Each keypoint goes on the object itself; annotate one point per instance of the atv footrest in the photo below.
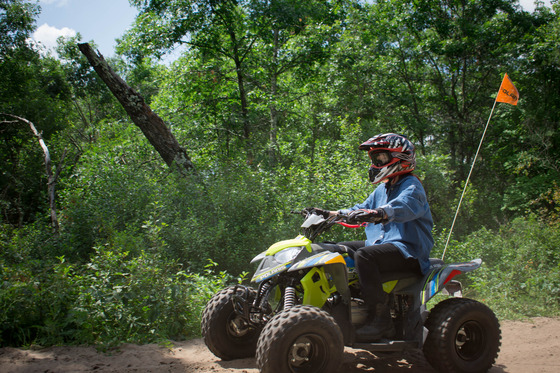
(388, 346)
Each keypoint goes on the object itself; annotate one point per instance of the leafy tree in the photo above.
(531, 156)
(251, 43)
(17, 20)
(34, 88)
(215, 28)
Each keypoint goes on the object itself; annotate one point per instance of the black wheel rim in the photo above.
(308, 354)
(470, 341)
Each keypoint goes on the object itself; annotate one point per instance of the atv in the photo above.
(307, 306)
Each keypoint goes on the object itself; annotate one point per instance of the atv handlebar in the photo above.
(311, 231)
(351, 225)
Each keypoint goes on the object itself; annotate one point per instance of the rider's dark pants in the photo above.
(372, 262)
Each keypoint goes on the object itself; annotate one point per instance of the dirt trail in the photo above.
(532, 346)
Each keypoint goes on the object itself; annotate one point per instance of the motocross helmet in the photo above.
(391, 155)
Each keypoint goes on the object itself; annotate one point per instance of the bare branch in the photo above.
(51, 178)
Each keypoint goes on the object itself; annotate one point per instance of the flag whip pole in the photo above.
(467, 182)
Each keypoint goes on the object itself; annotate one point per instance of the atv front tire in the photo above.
(463, 336)
(225, 332)
(301, 339)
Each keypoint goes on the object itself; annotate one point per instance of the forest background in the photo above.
(269, 100)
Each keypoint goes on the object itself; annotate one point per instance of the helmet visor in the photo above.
(380, 158)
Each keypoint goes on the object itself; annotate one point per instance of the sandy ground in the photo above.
(532, 346)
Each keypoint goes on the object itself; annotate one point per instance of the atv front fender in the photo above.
(325, 270)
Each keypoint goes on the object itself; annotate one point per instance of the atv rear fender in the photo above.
(440, 278)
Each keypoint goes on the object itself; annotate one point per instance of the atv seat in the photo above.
(391, 276)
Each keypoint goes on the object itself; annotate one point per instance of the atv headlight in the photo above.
(287, 255)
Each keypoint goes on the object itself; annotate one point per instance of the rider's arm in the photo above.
(411, 203)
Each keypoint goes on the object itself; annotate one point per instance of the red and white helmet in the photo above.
(391, 155)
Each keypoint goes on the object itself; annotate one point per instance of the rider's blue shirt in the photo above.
(409, 224)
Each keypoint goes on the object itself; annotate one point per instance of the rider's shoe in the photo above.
(381, 326)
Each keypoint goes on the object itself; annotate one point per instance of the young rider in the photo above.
(398, 231)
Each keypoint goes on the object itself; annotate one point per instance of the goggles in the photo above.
(379, 158)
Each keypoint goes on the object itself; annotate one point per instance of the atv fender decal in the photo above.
(271, 272)
(325, 257)
(336, 259)
(453, 273)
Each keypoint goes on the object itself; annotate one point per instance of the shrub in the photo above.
(139, 299)
(520, 276)
(114, 298)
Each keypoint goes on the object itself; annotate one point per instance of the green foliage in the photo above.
(520, 276)
(139, 299)
(114, 298)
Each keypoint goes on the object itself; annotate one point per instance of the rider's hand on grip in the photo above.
(365, 216)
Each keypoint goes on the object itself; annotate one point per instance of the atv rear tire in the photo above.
(301, 339)
(463, 336)
(225, 332)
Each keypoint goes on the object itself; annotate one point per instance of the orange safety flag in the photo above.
(507, 93)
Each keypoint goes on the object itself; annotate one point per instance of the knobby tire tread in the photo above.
(281, 326)
(213, 338)
(441, 334)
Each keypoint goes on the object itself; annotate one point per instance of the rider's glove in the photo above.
(365, 216)
(317, 211)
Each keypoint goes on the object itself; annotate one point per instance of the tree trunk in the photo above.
(151, 125)
(273, 133)
(243, 98)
